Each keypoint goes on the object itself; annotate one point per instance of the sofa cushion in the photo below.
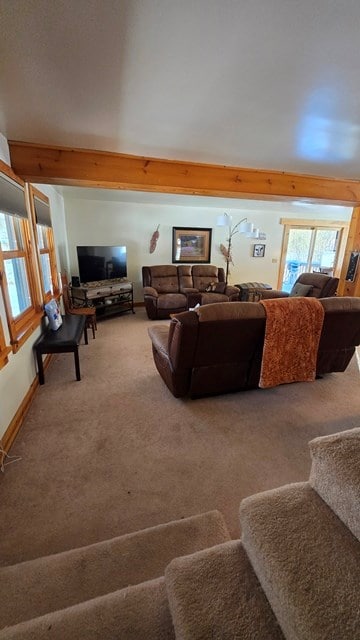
(185, 277)
(164, 278)
(203, 275)
(300, 290)
(172, 301)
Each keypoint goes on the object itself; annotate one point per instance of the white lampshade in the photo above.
(250, 230)
(224, 220)
(245, 227)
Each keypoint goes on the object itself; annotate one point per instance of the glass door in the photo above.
(308, 249)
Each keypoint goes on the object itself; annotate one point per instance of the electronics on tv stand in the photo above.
(102, 283)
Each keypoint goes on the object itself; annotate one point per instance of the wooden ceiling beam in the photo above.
(101, 169)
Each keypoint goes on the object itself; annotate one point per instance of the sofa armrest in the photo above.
(160, 339)
(272, 293)
(150, 291)
(231, 290)
(188, 290)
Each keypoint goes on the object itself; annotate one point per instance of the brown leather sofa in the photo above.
(218, 348)
(319, 285)
(171, 289)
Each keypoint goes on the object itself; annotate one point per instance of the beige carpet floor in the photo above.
(116, 452)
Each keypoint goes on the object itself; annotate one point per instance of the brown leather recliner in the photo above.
(162, 293)
(171, 289)
(320, 286)
(218, 349)
(209, 284)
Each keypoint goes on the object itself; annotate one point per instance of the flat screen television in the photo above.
(101, 263)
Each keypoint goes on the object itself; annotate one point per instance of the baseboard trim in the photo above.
(13, 429)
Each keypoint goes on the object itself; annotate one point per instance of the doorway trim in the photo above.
(300, 223)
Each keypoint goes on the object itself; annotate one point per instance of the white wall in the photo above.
(94, 221)
(17, 376)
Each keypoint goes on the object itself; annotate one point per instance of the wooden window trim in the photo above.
(4, 349)
(50, 250)
(21, 327)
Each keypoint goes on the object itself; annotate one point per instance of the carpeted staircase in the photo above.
(295, 574)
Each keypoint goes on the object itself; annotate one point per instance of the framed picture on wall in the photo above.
(191, 244)
(258, 250)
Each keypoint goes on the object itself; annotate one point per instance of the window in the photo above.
(310, 246)
(45, 243)
(16, 268)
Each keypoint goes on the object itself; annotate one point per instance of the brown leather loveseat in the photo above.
(218, 348)
(172, 288)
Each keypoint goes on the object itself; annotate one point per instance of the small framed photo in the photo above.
(258, 250)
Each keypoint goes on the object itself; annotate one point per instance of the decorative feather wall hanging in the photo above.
(226, 253)
(154, 239)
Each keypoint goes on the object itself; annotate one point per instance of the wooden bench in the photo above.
(65, 340)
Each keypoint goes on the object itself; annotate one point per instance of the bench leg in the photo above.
(86, 334)
(40, 367)
(77, 363)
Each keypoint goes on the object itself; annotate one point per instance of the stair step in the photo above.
(140, 612)
(31, 589)
(307, 561)
(335, 475)
(215, 594)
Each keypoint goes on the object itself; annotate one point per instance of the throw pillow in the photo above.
(301, 290)
(220, 287)
(211, 287)
(216, 287)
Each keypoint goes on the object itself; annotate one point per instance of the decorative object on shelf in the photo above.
(243, 226)
(191, 245)
(154, 239)
(259, 250)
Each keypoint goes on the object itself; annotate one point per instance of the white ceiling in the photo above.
(271, 84)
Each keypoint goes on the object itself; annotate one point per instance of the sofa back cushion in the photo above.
(185, 277)
(228, 332)
(230, 311)
(205, 274)
(164, 278)
(229, 347)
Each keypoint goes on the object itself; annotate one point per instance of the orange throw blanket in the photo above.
(292, 334)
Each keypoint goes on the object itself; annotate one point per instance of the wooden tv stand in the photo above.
(107, 296)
